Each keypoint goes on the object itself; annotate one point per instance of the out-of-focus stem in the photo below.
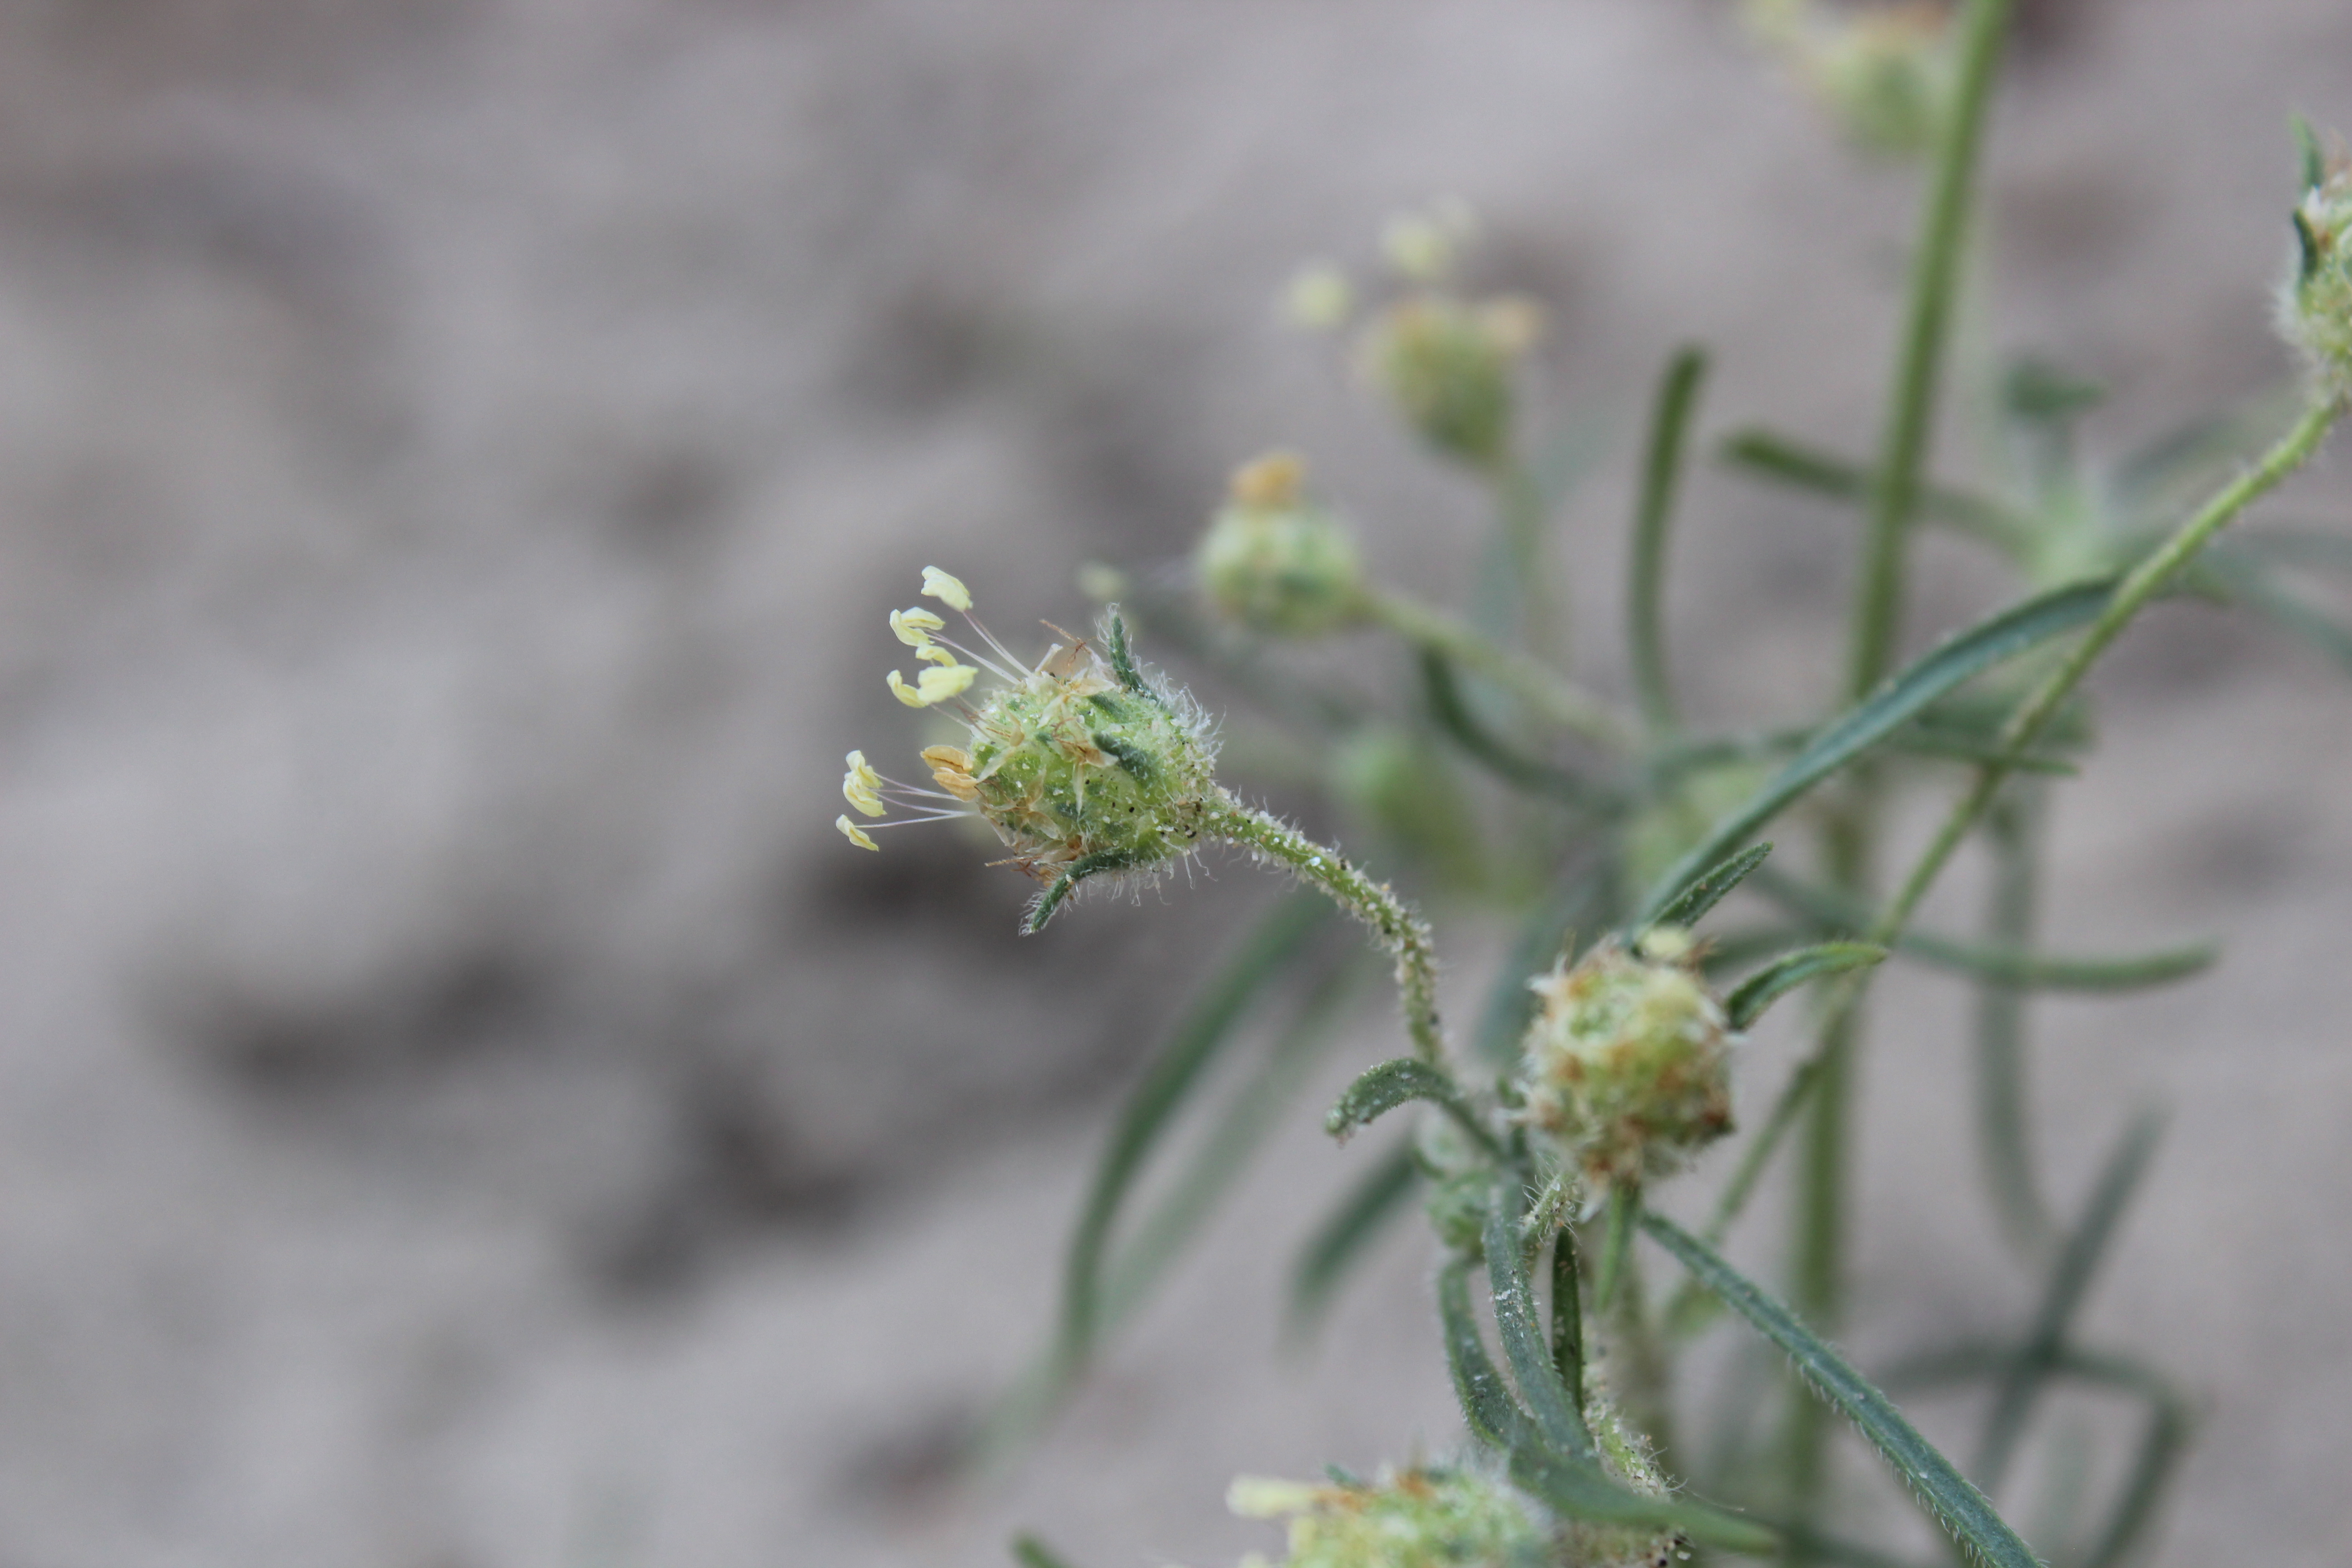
(1550, 695)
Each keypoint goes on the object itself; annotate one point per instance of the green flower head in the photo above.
(1078, 763)
(1273, 561)
(2315, 305)
(1627, 1066)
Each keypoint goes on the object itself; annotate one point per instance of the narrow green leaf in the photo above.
(1241, 1127)
(1832, 910)
(1568, 1316)
(2071, 1275)
(2312, 155)
(1777, 979)
(1579, 1492)
(1494, 1415)
(2253, 586)
(1380, 1089)
(1031, 1553)
(2161, 1446)
(1166, 1084)
(1451, 713)
(1799, 467)
(1653, 519)
(1556, 1417)
(1920, 742)
(1711, 888)
(1380, 1196)
(1624, 1211)
(1958, 659)
(1962, 1509)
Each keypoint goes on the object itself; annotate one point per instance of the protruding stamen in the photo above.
(854, 834)
(948, 590)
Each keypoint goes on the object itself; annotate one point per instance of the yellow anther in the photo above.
(854, 832)
(954, 757)
(937, 685)
(915, 627)
(947, 589)
(936, 654)
(861, 795)
(904, 692)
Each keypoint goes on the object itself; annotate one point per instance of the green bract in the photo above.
(2316, 309)
(1627, 1063)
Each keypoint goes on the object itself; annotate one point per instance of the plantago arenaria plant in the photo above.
(1600, 1069)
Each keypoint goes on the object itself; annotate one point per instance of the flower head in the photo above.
(1078, 763)
(1421, 1518)
(2315, 305)
(1888, 74)
(1449, 365)
(1276, 562)
(1627, 1065)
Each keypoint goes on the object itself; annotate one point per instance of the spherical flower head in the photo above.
(1421, 1518)
(1272, 561)
(2315, 305)
(1887, 74)
(1450, 366)
(1627, 1063)
(1071, 764)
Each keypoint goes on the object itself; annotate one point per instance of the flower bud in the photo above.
(1449, 365)
(1274, 562)
(1421, 1518)
(1888, 74)
(1627, 1064)
(2315, 306)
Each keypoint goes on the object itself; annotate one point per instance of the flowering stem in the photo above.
(1562, 701)
(1399, 926)
(1519, 499)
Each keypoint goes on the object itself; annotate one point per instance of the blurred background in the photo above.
(462, 1106)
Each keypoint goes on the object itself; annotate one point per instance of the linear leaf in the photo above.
(1579, 1492)
(1962, 1509)
(1711, 887)
(1453, 713)
(1524, 1345)
(1957, 659)
(1166, 1084)
(1833, 911)
(1653, 519)
(2070, 1279)
(1777, 979)
(1494, 1415)
(1378, 1198)
(1380, 1089)
(1224, 1156)
(1792, 463)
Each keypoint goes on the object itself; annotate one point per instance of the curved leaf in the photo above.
(1579, 1492)
(1960, 659)
(1524, 1345)
(1380, 1089)
(1710, 888)
(1959, 1506)
(1775, 980)
(1378, 1198)
(1494, 1415)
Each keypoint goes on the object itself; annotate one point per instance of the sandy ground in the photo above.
(461, 1106)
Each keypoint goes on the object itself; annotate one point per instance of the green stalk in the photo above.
(1876, 630)
(1518, 502)
(2150, 578)
(1551, 697)
(2003, 1135)
(1395, 922)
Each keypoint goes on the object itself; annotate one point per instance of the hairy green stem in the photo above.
(1396, 923)
(2154, 574)
(1555, 699)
